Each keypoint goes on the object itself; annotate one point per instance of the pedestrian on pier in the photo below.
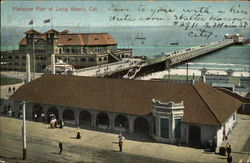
(43, 117)
(9, 90)
(228, 149)
(120, 145)
(60, 147)
(14, 89)
(78, 135)
(35, 117)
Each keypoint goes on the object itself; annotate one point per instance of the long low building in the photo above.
(169, 112)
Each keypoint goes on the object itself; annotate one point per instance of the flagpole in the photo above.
(51, 23)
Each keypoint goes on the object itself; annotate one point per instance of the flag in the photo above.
(31, 22)
(46, 21)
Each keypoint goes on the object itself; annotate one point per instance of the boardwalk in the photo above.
(176, 58)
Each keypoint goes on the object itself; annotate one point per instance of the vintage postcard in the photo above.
(125, 81)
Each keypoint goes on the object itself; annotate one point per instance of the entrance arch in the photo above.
(52, 112)
(38, 110)
(102, 119)
(141, 126)
(68, 114)
(85, 118)
(121, 121)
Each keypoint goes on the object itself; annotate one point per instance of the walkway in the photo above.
(101, 146)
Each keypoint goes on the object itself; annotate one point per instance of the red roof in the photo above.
(203, 103)
(24, 40)
(65, 31)
(88, 39)
(32, 31)
(51, 31)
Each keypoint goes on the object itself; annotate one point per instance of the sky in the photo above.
(105, 13)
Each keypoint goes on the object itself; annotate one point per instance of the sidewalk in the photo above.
(107, 141)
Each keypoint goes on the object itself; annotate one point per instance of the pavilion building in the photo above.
(168, 112)
(78, 49)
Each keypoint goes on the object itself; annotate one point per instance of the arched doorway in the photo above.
(38, 110)
(102, 120)
(121, 121)
(52, 112)
(141, 126)
(68, 114)
(85, 118)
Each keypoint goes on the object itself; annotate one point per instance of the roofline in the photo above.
(207, 105)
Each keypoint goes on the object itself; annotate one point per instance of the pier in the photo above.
(176, 58)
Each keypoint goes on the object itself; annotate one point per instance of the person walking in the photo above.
(60, 147)
(35, 117)
(43, 117)
(9, 90)
(120, 145)
(228, 149)
(78, 135)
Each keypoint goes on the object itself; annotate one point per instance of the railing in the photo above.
(115, 57)
(180, 56)
(99, 66)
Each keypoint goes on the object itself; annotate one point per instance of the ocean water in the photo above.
(156, 41)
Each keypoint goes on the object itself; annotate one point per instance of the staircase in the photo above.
(115, 57)
(132, 73)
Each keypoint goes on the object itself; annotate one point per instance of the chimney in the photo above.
(27, 68)
(53, 69)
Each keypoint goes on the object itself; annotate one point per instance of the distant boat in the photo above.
(174, 43)
(140, 37)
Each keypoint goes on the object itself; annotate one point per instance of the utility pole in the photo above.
(27, 68)
(53, 70)
(34, 58)
(24, 132)
(187, 72)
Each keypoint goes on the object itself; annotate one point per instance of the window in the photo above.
(164, 127)
(98, 50)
